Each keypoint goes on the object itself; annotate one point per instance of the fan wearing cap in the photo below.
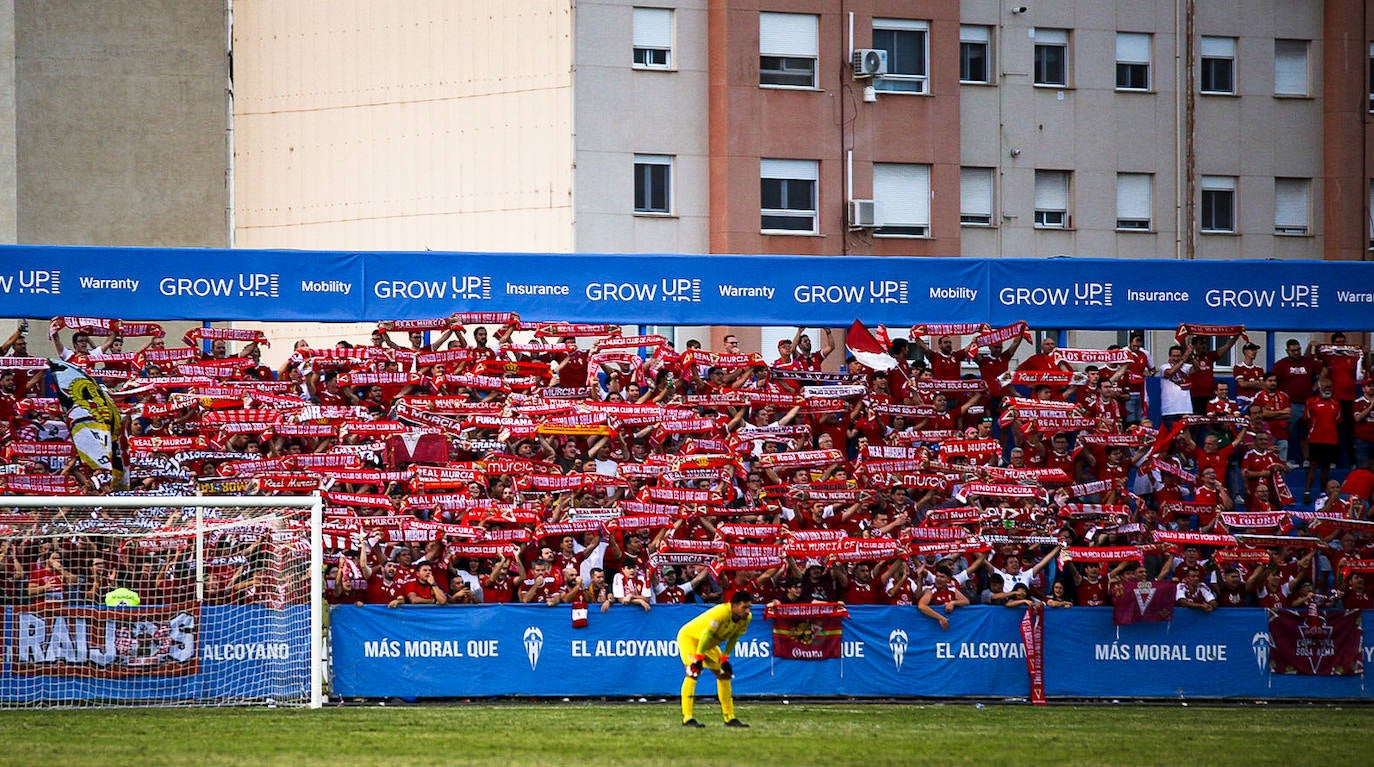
(706, 642)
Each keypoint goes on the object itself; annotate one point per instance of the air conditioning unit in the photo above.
(869, 62)
(862, 214)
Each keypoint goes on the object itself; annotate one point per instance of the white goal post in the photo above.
(161, 600)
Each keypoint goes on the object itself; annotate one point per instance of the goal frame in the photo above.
(314, 503)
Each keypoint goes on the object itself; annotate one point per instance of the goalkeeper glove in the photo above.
(694, 670)
(726, 670)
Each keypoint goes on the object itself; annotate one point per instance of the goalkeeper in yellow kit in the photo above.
(700, 643)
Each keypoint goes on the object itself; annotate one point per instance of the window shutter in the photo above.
(1051, 36)
(1132, 48)
(974, 34)
(1133, 196)
(1219, 47)
(1290, 203)
(806, 170)
(1290, 67)
(1219, 183)
(1051, 190)
(975, 191)
(788, 34)
(901, 194)
(653, 28)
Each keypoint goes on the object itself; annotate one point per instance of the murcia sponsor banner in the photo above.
(1316, 642)
(105, 642)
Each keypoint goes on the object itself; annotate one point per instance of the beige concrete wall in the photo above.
(620, 112)
(1094, 131)
(9, 182)
(403, 125)
(1255, 136)
(119, 114)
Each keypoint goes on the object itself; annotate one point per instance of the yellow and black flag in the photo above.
(94, 420)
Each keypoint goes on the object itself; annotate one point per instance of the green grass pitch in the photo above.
(554, 734)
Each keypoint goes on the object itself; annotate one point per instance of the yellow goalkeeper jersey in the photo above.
(716, 626)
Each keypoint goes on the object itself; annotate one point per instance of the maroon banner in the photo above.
(807, 638)
(1143, 601)
(1316, 642)
(1033, 636)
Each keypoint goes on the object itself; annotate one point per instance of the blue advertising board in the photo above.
(534, 650)
(152, 654)
(668, 289)
(495, 650)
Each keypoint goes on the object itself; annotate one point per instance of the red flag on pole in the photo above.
(868, 350)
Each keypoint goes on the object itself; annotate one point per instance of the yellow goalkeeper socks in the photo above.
(689, 693)
(725, 691)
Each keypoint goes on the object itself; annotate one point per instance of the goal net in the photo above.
(160, 601)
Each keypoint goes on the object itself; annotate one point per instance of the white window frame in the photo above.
(1370, 208)
(975, 196)
(1046, 39)
(904, 82)
(1134, 49)
(1217, 49)
(1052, 199)
(653, 33)
(1292, 72)
(976, 35)
(1218, 185)
(793, 39)
(641, 164)
(1292, 206)
(901, 199)
(1134, 202)
(790, 171)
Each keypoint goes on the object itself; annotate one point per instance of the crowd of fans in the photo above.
(489, 459)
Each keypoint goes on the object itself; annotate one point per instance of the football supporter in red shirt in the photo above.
(942, 597)
(1137, 370)
(1354, 594)
(49, 581)
(1090, 588)
(542, 585)
(803, 358)
(899, 588)
(784, 360)
(1249, 376)
(1045, 359)
(384, 587)
(1259, 466)
(1275, 408)
(671, 590)
(1296, 374)
(1360, 482)
(1222, 404)
(1202, 379)
(991, 366)
(1340, 366)
(424, 590)
(1323, 416)
(1362, 414)
(944, 361)
(1210, 455)
(1231, 591)
(858, 587)
(1192, 592)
